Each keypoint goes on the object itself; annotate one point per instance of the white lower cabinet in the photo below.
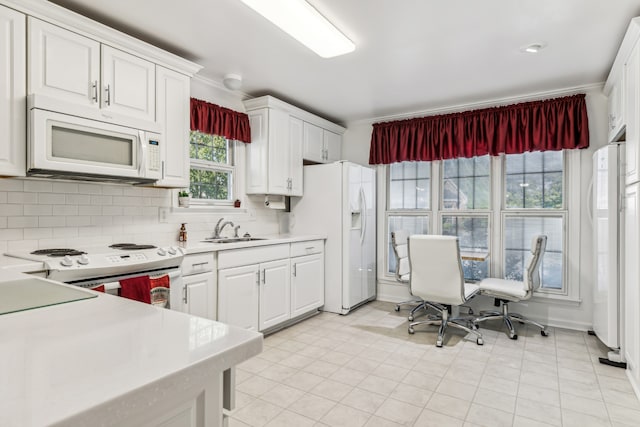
(197, 294)
(274, 293)
(238, 296)
(307, 283)
(631, 296)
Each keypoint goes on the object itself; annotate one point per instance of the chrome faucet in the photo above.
(235, 231)
(219, 228)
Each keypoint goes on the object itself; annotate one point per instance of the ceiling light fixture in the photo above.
(304, 23)
(232, 81)
(533, 47)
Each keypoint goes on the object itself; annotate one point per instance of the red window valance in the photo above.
(214, 119)
(554, 124)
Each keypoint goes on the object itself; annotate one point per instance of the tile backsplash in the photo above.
(38, 213)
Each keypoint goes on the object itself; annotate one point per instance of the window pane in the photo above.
(212, 148)
(519, 233)
(410, 185)
(534, 180)
(210, 185)
(466, 183)
(473, 234)
(413, 224)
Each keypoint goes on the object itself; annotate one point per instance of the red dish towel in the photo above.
(160, 291)
(136, 288)
(99, 288)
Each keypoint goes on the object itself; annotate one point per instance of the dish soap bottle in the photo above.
(182, 236)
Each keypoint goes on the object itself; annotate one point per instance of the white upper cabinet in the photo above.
(128, 84)
(295, 156)
(12, 93)
(63, 65)
(632, 109)
(172, 106)
(321, 145)
(616, 110)
(76, 69)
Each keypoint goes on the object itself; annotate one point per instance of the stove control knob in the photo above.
(84, 259)
(172, 250)
(66, 261)
(162, 252)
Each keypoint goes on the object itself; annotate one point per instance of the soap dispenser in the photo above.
(182, 236)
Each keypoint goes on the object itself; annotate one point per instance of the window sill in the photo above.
(199, 209)
(556, 299)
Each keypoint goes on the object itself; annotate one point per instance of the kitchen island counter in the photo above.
(108, 361)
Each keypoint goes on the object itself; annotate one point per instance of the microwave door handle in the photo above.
(142, 153)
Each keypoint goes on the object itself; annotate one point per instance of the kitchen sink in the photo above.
(233, 239)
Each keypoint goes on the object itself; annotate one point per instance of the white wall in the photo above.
(37, 213)
(576, 315)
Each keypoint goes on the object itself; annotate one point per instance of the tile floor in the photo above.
(365, 370)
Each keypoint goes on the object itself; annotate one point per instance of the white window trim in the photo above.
(398, 212)
(213, 166)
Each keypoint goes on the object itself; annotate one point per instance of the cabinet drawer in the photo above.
(198, 263)
(247, 256)
(307, 248)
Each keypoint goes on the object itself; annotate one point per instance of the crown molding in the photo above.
(220, 86)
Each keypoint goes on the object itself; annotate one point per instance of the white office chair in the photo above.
(505, 291)
(399, 243)
(436, 276)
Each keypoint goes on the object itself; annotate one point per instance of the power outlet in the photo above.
(163, 213)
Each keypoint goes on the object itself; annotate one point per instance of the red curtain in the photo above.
(554, 124)
(214, 119)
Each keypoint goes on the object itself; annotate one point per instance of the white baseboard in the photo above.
(634, 384)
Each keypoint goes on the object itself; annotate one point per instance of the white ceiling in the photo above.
(411, 55)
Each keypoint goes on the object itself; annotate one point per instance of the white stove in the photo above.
(97, 264)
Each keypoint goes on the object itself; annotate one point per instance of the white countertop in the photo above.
(82, 357)
(196, 246)
(20, 265)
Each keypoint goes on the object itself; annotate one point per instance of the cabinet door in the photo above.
(128, 84)
(307, 283)
(332, 146)
(616, 110)
(258, 152)
(279, 153)
(313, 143)
(275, 293)
(631, 295)
(295, 159)
(238, 296)
(172, 107)
(199, 295)
(63, 64)
(13, 110)
(632, 110)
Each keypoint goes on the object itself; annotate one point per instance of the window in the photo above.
(473, 236)
(212, 168)
(408, 203)
(534, 204)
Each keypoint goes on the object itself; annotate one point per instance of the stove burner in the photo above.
(130, 246)
(57, 252)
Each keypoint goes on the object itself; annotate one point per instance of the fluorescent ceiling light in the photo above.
(304, 23)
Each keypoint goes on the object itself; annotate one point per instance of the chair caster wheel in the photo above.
(411, 330)
(410, 318)
(439, 343)
(544, 333)
(514, 337)
(471, 313)
(397, 308)
(522, 323)
(479, 341)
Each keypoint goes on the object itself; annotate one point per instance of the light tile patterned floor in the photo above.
(364, 369)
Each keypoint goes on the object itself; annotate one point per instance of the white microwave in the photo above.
(66, 146)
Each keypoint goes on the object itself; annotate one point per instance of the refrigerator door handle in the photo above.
(591, 209)
(363, 215)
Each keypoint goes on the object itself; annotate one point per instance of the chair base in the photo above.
(508, 319)
(422, 305)
(444, 321)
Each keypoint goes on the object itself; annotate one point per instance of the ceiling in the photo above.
(411, 55)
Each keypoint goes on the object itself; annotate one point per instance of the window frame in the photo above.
(231, 168)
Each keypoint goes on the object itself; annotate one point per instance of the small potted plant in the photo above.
(183, 199)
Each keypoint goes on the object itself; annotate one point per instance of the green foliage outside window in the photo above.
(210, 178)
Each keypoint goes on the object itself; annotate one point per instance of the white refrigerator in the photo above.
(608, 223)
(340, 202)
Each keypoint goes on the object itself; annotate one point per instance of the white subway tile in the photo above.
(101, 220)
(9, 184)
(65, 210)
(22, 221)
(132, 210)
(78, 221)
(22, 198)
(77, 199)
(11, 234)
(66, 232)
(52, 243)
(112, 190)
(38, 186)
(127, 201)
(37, 210)
(112, 210)
(90, 188)
(22, 245)
(38, 233)
(150, 213)
(51, 198)
(11, 210)
(114, 231)
(102, 200)
(3, 247)
(89, 210)
(65, 187)
(89, 232)
(52, 221)
(122, 220)
(3, 222)
(3, 197)
(132, 191)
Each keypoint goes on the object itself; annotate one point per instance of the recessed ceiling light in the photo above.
(304, 23)
(533, 48)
